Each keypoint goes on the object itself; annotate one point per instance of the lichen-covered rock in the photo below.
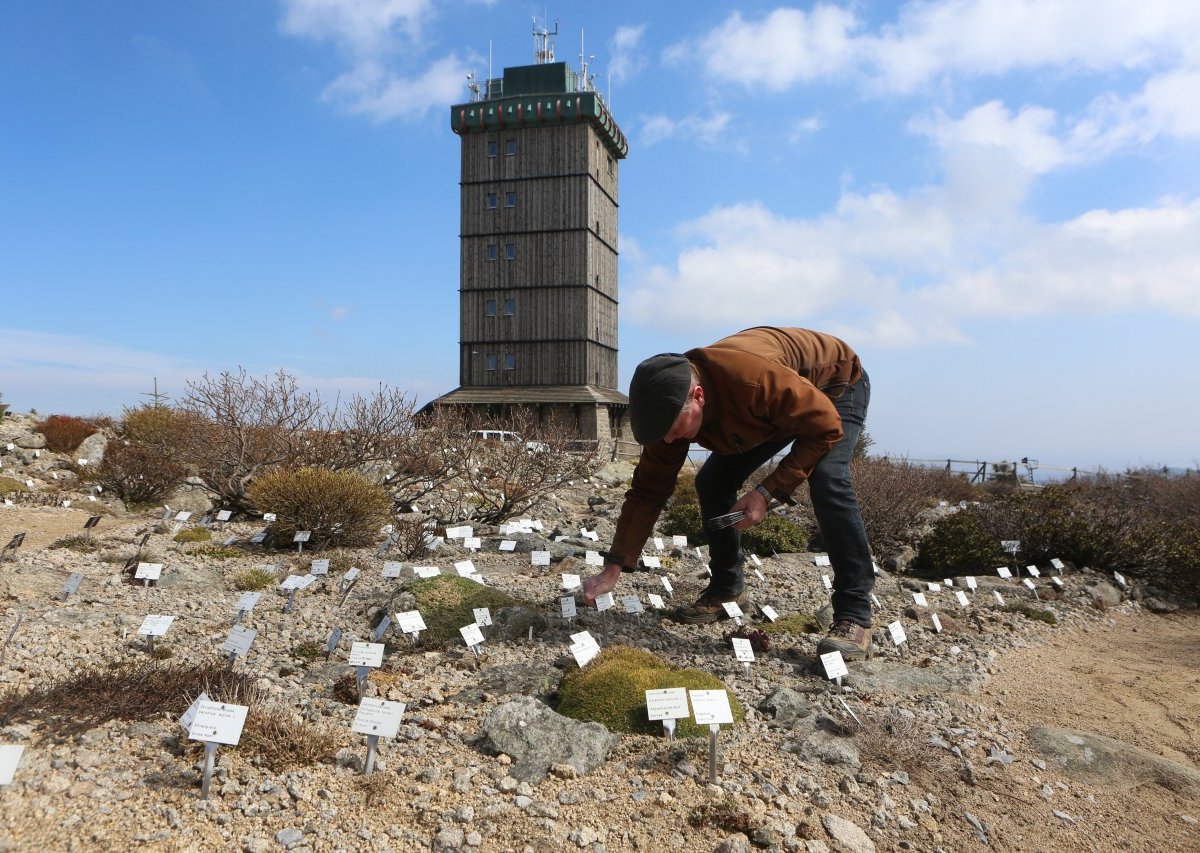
(535, 738)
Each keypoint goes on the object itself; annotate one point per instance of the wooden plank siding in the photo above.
(538, 363)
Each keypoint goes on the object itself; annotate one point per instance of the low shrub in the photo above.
(138, 473)
(79, 543)
(685, 489)
(253, 580)
(338, 507)
(193, 534)
(1030, 612)
(9, 486)
(611, 690)
(794, 624)
(162, 428)
(892, 495)
(447, 602)
(960, 543)
(775, 534)
(217, 552)
(65, 432)
(280, 741)
(684, 520)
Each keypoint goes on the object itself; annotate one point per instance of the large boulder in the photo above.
(1104, 760)
(92, 449)
(536, 738)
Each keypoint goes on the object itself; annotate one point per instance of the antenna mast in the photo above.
(543, 43)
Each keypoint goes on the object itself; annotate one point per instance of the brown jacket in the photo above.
(760, 385)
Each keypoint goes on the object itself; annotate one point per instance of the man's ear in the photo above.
(698, 395)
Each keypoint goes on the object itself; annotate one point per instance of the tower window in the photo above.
(510, 361)
(510, 307)
(510, 251)
(610, 166)
(493, 149)
(491, 308)
(510, 199)
(510, 147)
(492, 252)
(492, 201)
(491, 361)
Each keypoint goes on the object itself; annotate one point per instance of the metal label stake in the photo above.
(362, 679)
(372, 745)
(669, 728)
(210, 759)
(713, 730)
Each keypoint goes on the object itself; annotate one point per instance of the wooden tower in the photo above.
(538, 247)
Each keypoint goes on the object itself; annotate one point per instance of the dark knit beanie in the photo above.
(657, 393)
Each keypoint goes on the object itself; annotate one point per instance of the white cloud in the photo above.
(627, 58)
(933, 38)
(803, 128)
(707, 129)
(388, 78)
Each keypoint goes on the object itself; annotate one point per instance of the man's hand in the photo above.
(605, 581)
(754, 505)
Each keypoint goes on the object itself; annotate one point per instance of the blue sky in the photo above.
(997, 202)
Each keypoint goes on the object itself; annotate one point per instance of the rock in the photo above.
(824, 617)
(536, 680)
(536, 738)
(289, 837)
(1105, 595)
(31, 441)
(1157, 605)
(899, 561)
(980, 828)
(736, 843)
(513, 623)
(449, 838)
(785, 706)
(1104, 760)
(901, 679)
(91, 448)
(817, 742)
(191, 496)
(848, 834)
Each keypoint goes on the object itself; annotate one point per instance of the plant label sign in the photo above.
(1033, 571)
(589, 534)
(1028, 584)
(381, 628)
(410, 621)
(247, 601)
(919, 598)
(155, 625)
(1003, 572)
(592, 558)
(896, 629)
(1058, 583)
(962, 598)
(655, 600)
(1012, 546)
(583, 653)
(471, 635)
(305, 581)
(539, 558)
(604, 602)
(632, 605)
(1057, 564)
(758, 574)
(971, 584)
(190, 714)
(182, 515)
(1120, 579)
(378, 717)
(769, 612)
(570, 582)
(652, 562)
(10, 757)
(935, 587)
(331, 644)
(483, 616)
(239, 641)
(148, 571)
(566, 606)
(821, 560)
(658, 543)
(302, 536)
(426, 572)
(459, 532)
(826, 582)
(72, 584)
(937, 623)
(508, 545)
(392, 569)
(998, 596)
(218, 722)
(473, 543)
(679, 541)
(670, 703)
(465, 568)
(876, 602)
(732, 609)
(319, 567)
(711, 707)
(743, 650)
(224, 515)
(270, 517)
(834, 665)
(366, 654)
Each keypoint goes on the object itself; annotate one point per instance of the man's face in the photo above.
(690, 419)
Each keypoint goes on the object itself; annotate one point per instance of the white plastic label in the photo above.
(378, 717)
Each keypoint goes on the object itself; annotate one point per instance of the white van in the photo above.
(507, 435)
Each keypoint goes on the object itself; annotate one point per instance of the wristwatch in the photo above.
(762, 490)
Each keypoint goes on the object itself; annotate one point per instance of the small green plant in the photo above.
(794, 624)
(340, 508)
(683, 519)
(78, 543)
(1030, 612)
(65, 432)
(611, 690)
(194, 534)
(306, 651)
(8, 486)
(775, 535)
(253, 580)
(217, 552)
(959, 544)
(447, 602)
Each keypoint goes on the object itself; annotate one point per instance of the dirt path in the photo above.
(1136, 679)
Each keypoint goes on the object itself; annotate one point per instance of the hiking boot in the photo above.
(708, 608)
(852, 640)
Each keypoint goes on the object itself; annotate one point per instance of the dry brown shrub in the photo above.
(65, 432)
(889, 741)
(281, 741)
(138, 473)
(892, 495)
(340, 508)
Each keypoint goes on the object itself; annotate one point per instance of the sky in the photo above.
(995, 202)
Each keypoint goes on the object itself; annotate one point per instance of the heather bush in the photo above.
(683, 520)
(138, 473)
(775, 534)
(959, 544)
(166, 430)
(340, 508)
(892, 495)
(65, 432)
